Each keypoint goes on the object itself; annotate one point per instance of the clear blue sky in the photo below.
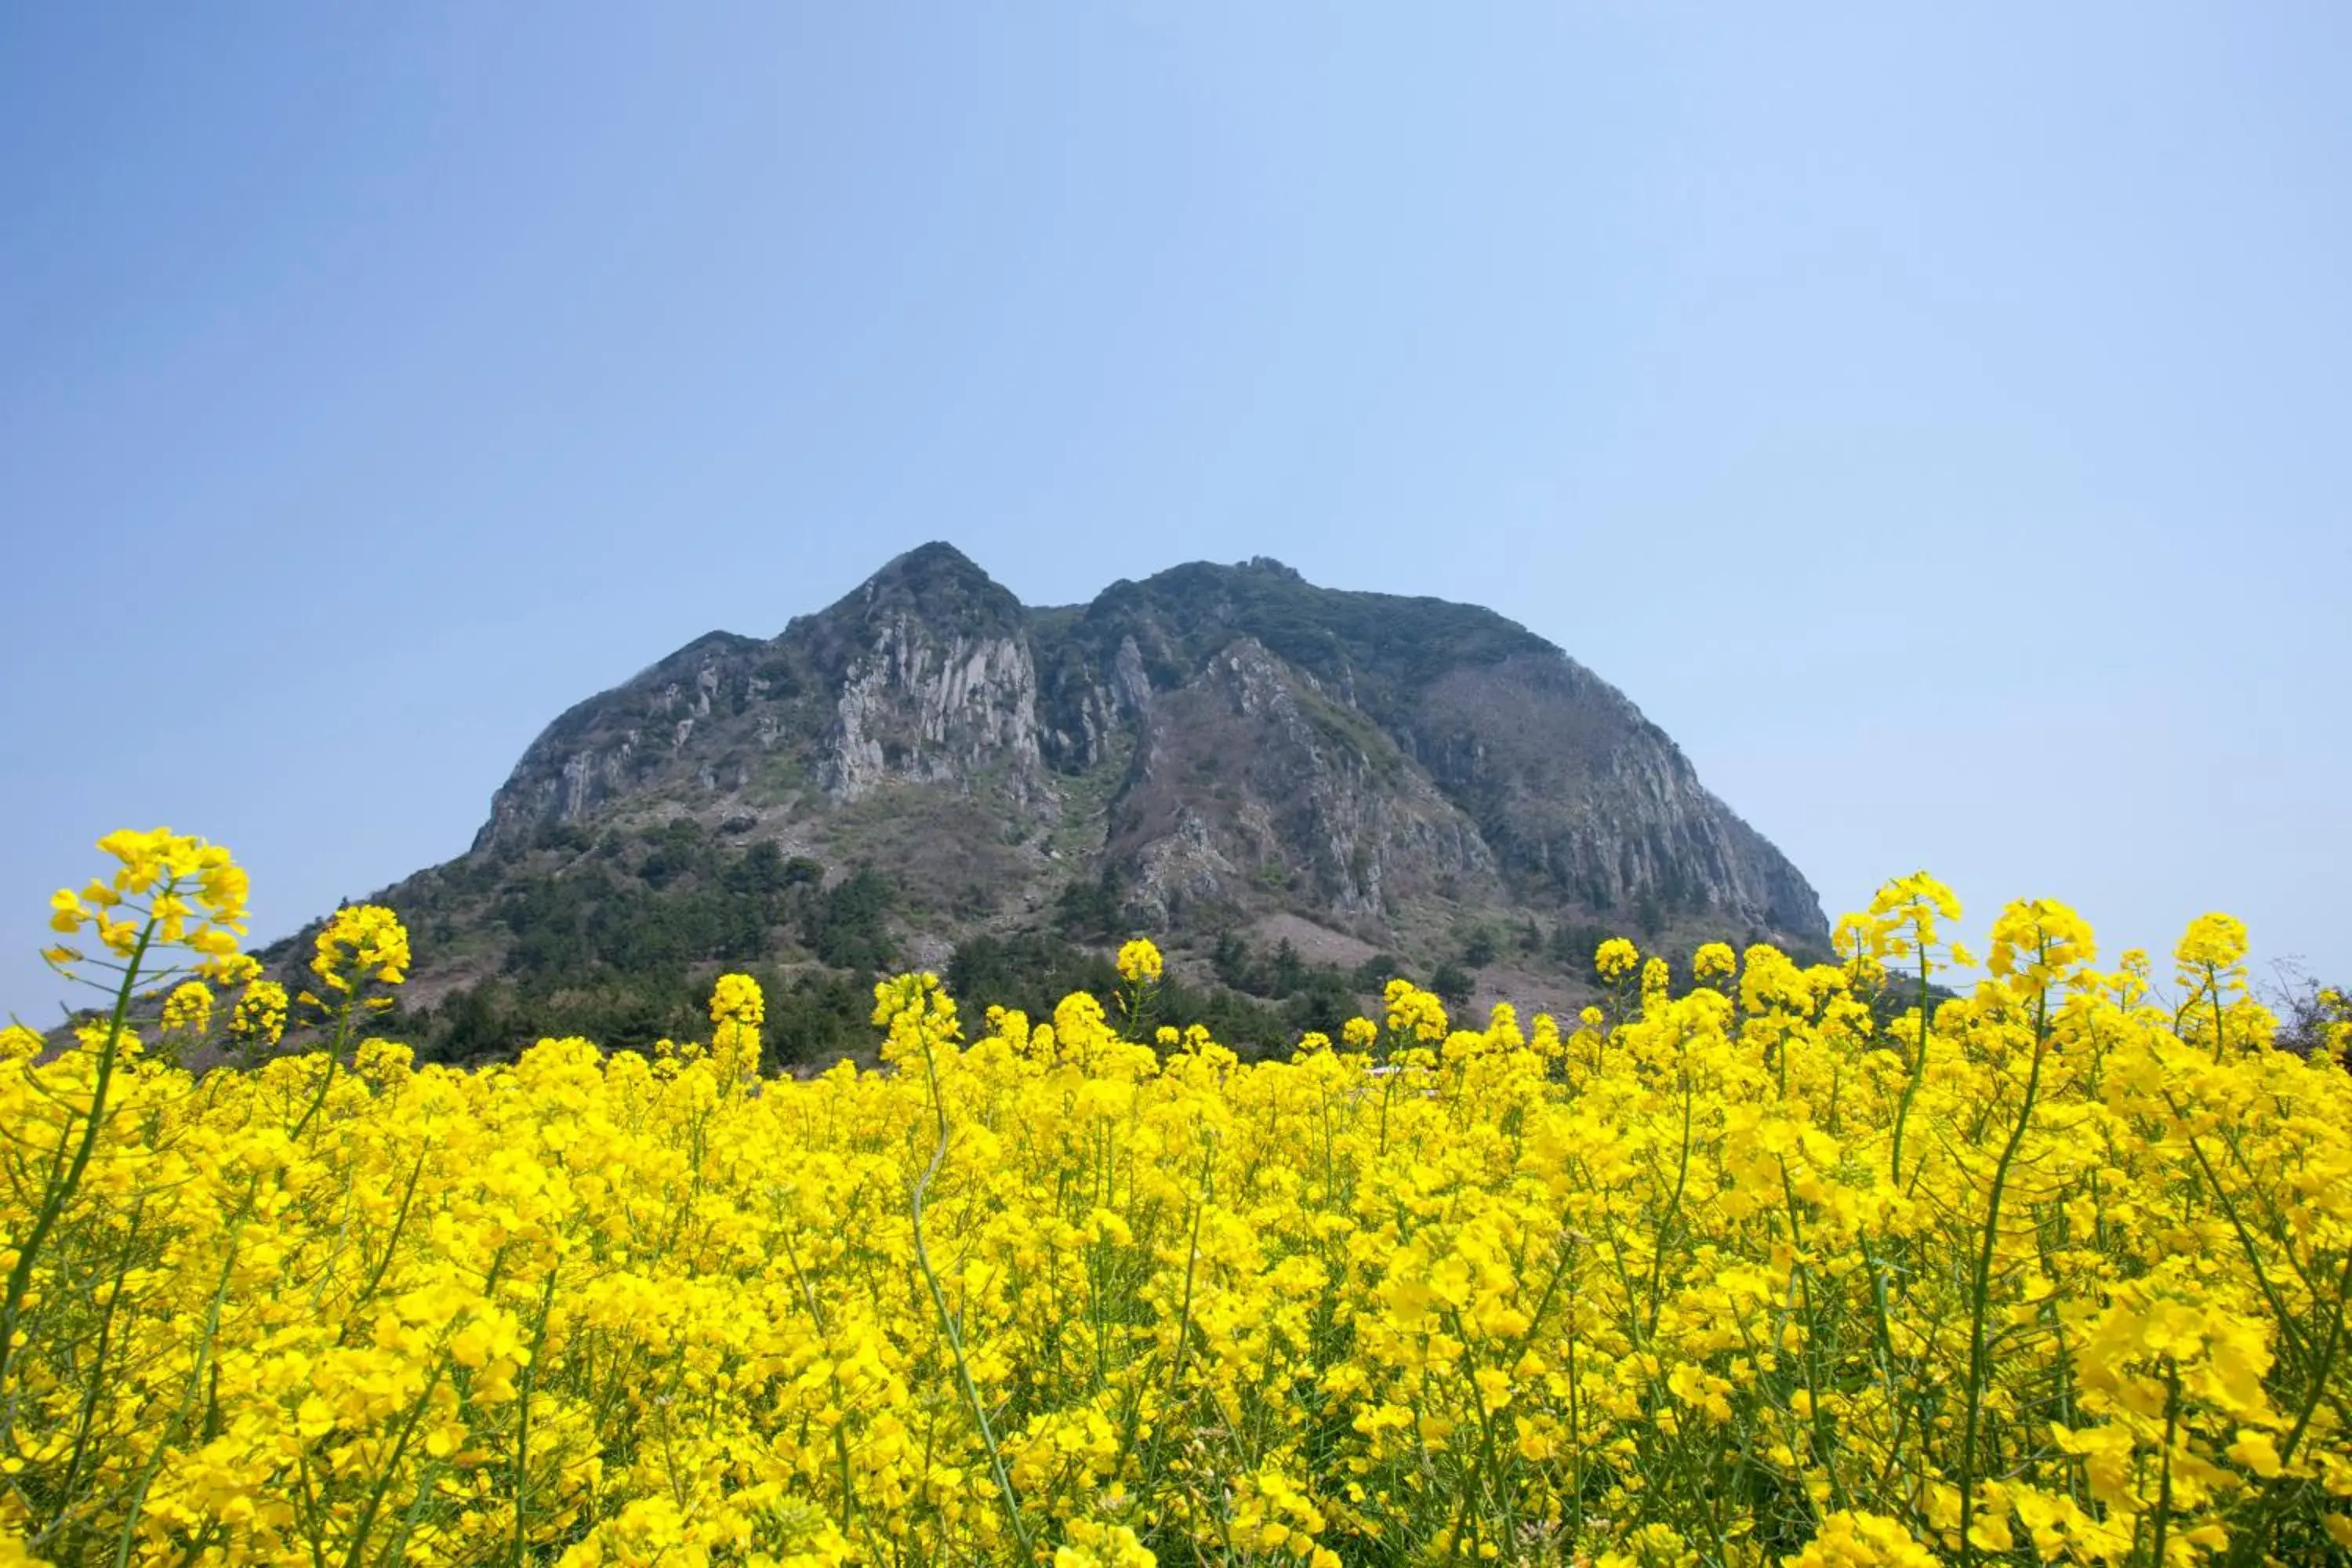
(1940, 420)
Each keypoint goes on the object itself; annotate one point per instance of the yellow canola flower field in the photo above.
(1752, 1272)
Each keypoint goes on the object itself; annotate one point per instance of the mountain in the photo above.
(1290, 786)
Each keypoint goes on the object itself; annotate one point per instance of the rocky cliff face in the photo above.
(1217, 746)
(1251, 775)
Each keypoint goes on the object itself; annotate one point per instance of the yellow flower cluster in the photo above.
(1851, 1540)
(737, 1011)
(189, 1008)
(169, 890)
(1771, 1271)
(363, 941)
(2332, 1024)
(1415, 1013)
(259, 1016)
(1092, 1545)
(1139, 961)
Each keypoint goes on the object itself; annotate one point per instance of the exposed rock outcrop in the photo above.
(1218, 742)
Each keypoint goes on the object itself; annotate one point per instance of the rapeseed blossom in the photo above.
(189, 1007)
(362, 941)
(1616, 958)
(1802, 1266)
(259, 1016)
(737, 1011)
(1138, 962)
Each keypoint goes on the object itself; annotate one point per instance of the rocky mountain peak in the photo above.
(1206, 751)
(938, 586)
